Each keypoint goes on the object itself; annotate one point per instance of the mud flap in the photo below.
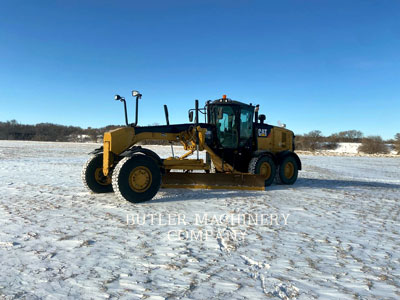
(213, 181)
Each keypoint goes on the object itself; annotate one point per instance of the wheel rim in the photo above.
(289, 170)
(100, 178)
(265, 169)
(140, 179)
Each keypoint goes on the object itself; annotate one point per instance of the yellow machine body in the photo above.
(118, 140)
(242, 152)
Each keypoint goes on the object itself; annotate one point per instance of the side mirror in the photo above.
(190, 116)
(262, 118)
(220, 114)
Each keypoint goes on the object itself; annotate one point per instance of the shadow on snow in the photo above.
(335, 184)
(171, 195)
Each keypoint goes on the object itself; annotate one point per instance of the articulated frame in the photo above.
(119, 140)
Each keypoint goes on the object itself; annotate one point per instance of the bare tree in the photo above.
(314, 139)
(310, 141)
(347, 136)
(373, 145)
(397, 142)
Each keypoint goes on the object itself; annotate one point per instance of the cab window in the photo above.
(227, 127)
(246, 125)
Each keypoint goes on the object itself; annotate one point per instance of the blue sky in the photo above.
(327, 65)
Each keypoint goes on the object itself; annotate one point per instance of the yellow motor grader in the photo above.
(242, 152)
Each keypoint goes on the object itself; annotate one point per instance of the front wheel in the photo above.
(288, 171)
(136, 179)
(93, 177)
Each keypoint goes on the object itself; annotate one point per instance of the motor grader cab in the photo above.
(232, 131)
(242, 152)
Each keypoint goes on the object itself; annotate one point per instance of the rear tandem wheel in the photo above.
(287, 171)
(263, 165)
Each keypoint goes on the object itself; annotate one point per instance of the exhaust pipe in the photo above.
(256, 113)
(196, 121)
(167, 120)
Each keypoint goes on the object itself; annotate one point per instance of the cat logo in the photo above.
(263, 132)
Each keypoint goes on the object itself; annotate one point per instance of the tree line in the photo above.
(12, 130)
(314, 141)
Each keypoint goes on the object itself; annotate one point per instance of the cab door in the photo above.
(234, 128)
(246, 127)
(227, 127)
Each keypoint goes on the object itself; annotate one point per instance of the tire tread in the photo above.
(87, 165)
(115, 176)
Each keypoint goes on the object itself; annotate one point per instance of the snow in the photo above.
(351, 149)
(332, 235)
(347, 148)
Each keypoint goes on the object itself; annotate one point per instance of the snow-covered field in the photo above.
(351, 149)
(332, 235)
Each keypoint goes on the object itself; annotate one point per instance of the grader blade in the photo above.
(213, 181)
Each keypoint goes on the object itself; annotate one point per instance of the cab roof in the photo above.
(227, 101)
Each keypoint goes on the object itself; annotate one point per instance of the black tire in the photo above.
(136, 179)
(287, 177)
(257, 166)
(93, 178)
